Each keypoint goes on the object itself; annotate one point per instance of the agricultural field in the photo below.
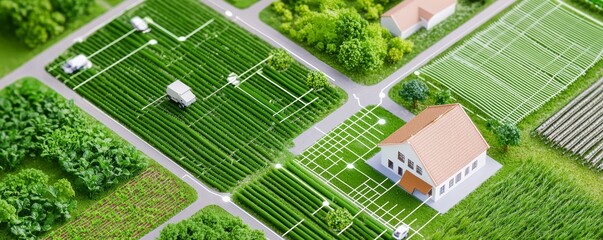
(295, 204)
(578, 127)
(56, 162)
(338, 160)
(520, 61)
(132, 210)
(230, 131)
(533, 201)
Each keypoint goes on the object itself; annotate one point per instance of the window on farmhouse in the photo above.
(400, 171)
(401, 157)
(411, 164)
(451, 183)
(458, 177)
(474, 165)
(466, 171)
(390, 164)
(419, 170)
(443, 189)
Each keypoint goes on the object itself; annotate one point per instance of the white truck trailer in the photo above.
(181, 94)
(77, 63)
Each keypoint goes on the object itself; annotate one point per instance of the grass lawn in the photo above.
(353, 142)
(13, 53)
(422, 40)
(242, 4)
(113, 2)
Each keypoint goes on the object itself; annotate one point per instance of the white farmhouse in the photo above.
(411, 15)
(435, 151)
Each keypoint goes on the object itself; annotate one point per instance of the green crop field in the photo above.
(521, 61)
(338, 159)
(229, 132)
(532, 202)
(293, 203)
(133, 210)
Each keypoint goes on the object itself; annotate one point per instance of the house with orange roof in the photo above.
(409, 16)
(435, 152)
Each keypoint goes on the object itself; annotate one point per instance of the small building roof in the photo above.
(410, 182)
(443, 137)
(179, 87)
(409, 12)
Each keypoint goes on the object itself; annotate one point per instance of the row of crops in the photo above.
(229, 132)
(291, 201)
(522, 60)
(578, 127)
(132, 210)
(532, 202)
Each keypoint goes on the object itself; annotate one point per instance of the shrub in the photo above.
(443, 97)
(280, 60)
(338, 219)
(317, 80)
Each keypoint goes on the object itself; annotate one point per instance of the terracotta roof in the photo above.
(444, 138)
(410, 182)
(410, 12)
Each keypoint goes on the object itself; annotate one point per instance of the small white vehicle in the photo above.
(401, 232)
(140, 25)
(77, 63)
(181, 94)
(233, 79)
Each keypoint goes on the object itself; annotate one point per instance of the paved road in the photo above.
(249, 19)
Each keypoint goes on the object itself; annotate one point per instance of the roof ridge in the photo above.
(434, 120)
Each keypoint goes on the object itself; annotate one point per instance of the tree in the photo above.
(71, 9)
(317, 80)
(338, 219)
(443, 97)
(350, 25)
(280, 59)
(360, 56)
(506, 133)
(414, 90)
(36, 21)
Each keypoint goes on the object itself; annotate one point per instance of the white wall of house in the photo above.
(389, 24)
(479, 160)
(439, 17)
(412, 29)
(391, 153)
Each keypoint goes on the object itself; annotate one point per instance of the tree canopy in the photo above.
(443, 97)
(339, 218)
(210, 224)
(506, 133)
(280, 60)
(414, 90)
(317, 80)
(36, 21)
